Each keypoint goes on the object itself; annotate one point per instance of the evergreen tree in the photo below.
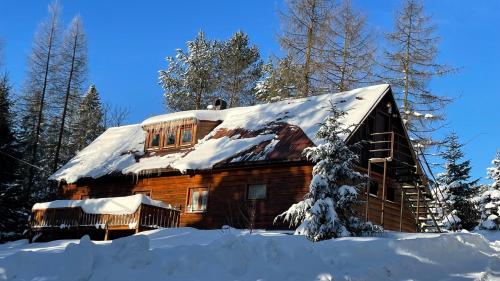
(240, 67)
(190, 81)
(328, 209)
(410, 65)
(281, 81)
(489, 198)
(350, 50)
(12, 202)
(73, 64)
(306, 25)
(89, 123)
(457, 189)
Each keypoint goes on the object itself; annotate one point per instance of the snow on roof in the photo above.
(112, 205)
(119, 150)
(208, 115)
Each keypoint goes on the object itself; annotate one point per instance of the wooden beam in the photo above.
(368, 190)
(401, 211)
(383, 193)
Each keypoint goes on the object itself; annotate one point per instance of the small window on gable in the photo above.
(197, 200)
(155, 140)
(373, 187)
(256, 191)
(170, 138)
(186, 135)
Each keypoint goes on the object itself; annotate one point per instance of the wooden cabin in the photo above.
(243, 166)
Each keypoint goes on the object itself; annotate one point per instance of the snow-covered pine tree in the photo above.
(12, 200)
(190, 81)
(89, 123)
(489, 199)
(410, 64)
(328, 209)
(239, 69)
(281, 80)
(457, 190)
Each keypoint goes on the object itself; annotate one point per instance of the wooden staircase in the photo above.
(386, 152)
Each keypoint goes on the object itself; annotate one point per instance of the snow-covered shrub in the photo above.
(327, 210)
(489, 199)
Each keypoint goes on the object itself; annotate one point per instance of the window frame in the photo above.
(255, 184)
(185, 128)
(151, 134)
(165, 138)
(189, 199)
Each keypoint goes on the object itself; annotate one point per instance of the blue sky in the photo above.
(128, 41)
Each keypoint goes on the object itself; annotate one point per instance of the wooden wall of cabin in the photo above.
(286, 185)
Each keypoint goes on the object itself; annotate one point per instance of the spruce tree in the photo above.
(328, 209)
(89, 122)
(456, 187)
(489, 198)
(190, 81)
(240, 67)
(410, 64)
(12, 202)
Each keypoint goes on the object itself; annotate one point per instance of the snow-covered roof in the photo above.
(245, 134)
(113, 205)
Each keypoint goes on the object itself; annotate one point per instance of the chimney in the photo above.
(220, 104)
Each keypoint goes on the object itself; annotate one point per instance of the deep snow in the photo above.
(190, 254)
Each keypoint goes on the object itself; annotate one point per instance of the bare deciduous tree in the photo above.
(410, 66)
(73, 63)
(350, 50)
(306, 25)
(115, 116)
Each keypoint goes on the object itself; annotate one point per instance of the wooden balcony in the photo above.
(146, 217)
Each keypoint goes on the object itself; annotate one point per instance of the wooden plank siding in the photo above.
(286, 185)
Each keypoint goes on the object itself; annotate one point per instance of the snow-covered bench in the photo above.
(137, 212)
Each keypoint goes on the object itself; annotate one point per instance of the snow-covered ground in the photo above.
(190, 254)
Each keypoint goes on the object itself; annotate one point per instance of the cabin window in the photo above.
(155, 140)
(170, 138)
(198, 199)
(84, 196)
(374, 187)
(186, 135)
(256, 191)
(144, 192)
(391, 194)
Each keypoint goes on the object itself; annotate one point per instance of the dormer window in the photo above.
(170, 138)
(155, 140)
(186, 135)
(176, 134)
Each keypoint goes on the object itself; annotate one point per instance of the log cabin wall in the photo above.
(227, 202)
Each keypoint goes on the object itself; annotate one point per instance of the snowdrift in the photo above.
(189, 254)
